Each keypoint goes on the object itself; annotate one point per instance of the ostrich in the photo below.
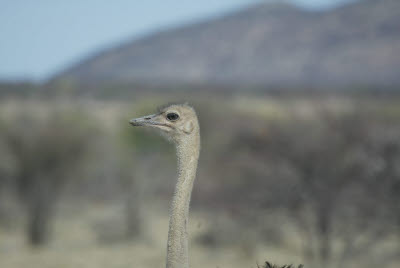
(179, 124)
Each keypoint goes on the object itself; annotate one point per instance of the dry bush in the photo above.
(46, 150)
(335, 177)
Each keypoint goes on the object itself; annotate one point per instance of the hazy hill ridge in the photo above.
(265, 44)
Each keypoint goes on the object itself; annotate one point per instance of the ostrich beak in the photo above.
(147, 120)
(153, 120)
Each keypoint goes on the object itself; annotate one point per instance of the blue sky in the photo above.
(41, 37)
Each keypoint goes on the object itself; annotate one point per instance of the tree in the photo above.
(47, 151)
(336, 176)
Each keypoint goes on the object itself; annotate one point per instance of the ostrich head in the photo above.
(177, 122)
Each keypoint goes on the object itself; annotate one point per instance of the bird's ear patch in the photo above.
(188, 127)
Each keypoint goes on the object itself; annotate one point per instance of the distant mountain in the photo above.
(266, 44)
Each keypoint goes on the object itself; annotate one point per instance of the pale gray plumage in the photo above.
(179, 123)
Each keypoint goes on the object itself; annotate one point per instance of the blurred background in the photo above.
(299, 109)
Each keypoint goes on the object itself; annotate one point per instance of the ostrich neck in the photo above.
(177, 250)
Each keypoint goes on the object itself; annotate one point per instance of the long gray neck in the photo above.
(188, 155)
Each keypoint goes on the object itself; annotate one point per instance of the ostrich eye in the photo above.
(172, 116)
